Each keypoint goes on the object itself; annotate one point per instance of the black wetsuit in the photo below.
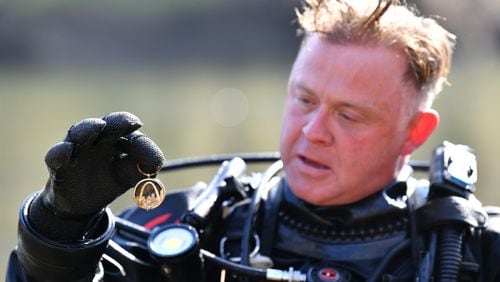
(376, 236)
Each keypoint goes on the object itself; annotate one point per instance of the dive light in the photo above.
(176, 248)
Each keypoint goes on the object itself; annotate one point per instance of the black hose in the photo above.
(218, 159)
(140, 231)
(450, 254)
(248, 226)
(234, 267)
(253, 211)
(260, 157)
(134, 228)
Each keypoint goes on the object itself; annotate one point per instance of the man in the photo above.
(359, 103)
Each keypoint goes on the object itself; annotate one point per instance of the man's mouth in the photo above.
(312, 163)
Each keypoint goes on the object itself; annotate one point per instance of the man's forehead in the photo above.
(354, 57)
(327, 67)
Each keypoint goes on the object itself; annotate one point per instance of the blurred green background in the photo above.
(205, 77)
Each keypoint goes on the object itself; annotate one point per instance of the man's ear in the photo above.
(422, 126)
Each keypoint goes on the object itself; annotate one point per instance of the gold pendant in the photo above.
(149, 193)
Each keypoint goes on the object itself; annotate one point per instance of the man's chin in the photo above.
(321, 199)
(311, 198)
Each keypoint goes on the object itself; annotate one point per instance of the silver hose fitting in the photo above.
(280, 275)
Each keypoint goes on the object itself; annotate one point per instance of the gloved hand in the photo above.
(96, 163)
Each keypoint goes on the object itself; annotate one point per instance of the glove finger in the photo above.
(118, 124)
(147, 153)
(85, 132)
(58, 156)
(144, 151)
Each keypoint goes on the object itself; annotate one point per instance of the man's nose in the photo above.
(317, 126)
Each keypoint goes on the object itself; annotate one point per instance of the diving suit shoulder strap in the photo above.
(271, 208)
(450, 210)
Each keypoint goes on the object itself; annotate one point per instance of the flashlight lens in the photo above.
(172, 241)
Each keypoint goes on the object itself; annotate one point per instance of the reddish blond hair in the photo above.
(427, 45)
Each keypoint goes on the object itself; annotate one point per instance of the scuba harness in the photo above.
(438, 219)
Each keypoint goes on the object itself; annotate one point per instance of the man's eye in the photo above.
(347, 117)
(304, 100)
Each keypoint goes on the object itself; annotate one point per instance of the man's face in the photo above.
(346, 122)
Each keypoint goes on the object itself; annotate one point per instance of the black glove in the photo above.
(96, 163)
